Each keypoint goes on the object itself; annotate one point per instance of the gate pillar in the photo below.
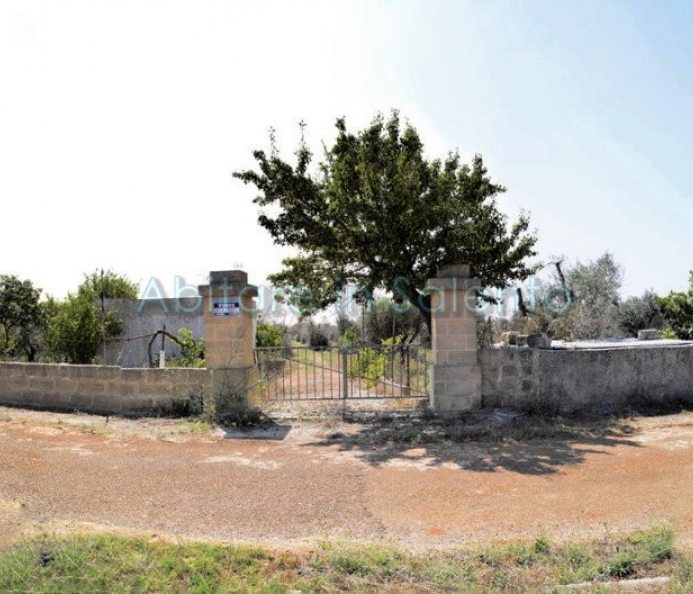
(456, 373)
(229, 321)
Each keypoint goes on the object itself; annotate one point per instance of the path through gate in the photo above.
(377, 372)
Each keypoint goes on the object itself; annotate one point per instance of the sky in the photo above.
(122, 122)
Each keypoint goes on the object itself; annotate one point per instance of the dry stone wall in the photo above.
(596, 380)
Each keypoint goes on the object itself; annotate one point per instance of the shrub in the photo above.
(192, 352)
(269, 335)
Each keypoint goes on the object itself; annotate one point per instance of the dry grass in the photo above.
(116, 564)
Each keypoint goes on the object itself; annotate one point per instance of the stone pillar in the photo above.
(455, 373)
(229, 320)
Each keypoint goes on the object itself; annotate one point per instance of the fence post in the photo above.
(229, 321)
(345, 378)
(455, 373)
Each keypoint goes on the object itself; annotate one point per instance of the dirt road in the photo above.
(296, 483)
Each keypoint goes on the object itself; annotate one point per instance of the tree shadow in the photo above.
(269, 432)
(484, 441)
(258, 427)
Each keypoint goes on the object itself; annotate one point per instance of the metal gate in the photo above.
(301, 373)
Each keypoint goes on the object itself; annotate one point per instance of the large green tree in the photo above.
(82, 321)
(377, 213)
(21, 318)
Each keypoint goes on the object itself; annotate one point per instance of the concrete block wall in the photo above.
(102, 389)
(143, 317)
(595, 380)
(226, 386)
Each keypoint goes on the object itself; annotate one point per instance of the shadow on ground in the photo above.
(267, 431)
(484, 441)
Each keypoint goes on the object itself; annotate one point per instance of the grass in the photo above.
(195, 426)
(95, 564)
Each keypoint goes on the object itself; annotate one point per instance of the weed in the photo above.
(195, 427)
(541, 544)
(115, 564)
(621, 567)
(578, 564)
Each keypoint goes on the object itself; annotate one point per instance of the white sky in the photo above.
(121, 123)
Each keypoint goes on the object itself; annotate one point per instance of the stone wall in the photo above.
(559, 380)
(596, 380)
(103, 389)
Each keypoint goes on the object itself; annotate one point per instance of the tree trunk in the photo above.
(423, 304)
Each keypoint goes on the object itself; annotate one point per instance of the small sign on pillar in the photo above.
(226, 307)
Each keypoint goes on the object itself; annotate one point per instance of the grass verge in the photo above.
(112, 564)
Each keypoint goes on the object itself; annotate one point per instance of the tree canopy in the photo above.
(639, 313)
(82, 322)
(577, 301)
(677, 308)
(378, 214)
(594, 288)
(107, 284)
(21, 317)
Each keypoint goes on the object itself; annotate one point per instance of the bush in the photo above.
(639, 313)
(318, 337)
(269, 335)
(677, 308)
(192, 352)
(368, 364)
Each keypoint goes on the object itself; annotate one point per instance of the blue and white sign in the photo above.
(226, 308)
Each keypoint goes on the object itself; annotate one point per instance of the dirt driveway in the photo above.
(300, 482)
